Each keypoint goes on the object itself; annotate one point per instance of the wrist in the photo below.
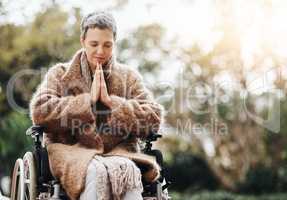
(108, 102)
(93, 106)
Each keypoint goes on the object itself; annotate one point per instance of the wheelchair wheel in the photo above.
(17, 184)
(23, 185)
(30, 176)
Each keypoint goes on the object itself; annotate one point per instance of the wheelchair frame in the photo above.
(32, 178)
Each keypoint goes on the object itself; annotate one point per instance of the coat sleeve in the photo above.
(138, 113)
(49, 108)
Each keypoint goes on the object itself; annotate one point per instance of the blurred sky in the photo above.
(191, 20)
(177, 16)
(259, 24)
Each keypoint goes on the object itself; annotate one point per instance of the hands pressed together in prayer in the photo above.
(99, 90)
(98, 93)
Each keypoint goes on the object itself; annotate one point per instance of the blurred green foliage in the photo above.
(190, 173)
(13, 141)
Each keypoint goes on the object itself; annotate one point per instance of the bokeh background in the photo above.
(217, 66)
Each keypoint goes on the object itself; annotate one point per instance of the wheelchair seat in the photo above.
(32, 177)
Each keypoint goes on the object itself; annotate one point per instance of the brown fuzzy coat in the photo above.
(62, 103)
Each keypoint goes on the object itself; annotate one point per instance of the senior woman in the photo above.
(95, 111)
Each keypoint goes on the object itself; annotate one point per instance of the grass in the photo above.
(222, 195)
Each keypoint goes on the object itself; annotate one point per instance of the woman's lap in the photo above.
(97, 183)
(113, 175)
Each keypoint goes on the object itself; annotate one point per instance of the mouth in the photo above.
(100, 59)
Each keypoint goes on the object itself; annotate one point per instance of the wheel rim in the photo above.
(18, 186)
(29, 176)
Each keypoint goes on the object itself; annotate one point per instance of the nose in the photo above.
(100, 50)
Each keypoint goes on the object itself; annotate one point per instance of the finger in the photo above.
(96, 85)
(98, 139)
(103, 83)
(102, 76)
(99, 65)
(98, 71)
(96, 80)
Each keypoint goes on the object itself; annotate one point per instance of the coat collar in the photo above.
(78, 68)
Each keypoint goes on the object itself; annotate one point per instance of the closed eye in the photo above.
(108, 45)
(94, 44)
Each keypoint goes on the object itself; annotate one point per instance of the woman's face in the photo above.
(99, 45)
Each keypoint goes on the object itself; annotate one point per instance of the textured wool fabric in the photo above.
(76, 131)
(98, 187)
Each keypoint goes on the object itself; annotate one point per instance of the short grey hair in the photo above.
(98, 19)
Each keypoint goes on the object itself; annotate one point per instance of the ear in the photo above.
(82, 40)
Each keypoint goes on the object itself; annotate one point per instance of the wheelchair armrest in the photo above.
(153, 136)
(35, 130)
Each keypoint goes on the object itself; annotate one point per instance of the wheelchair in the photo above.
(32, 178)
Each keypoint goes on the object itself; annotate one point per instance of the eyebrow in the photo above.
(107, 42)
